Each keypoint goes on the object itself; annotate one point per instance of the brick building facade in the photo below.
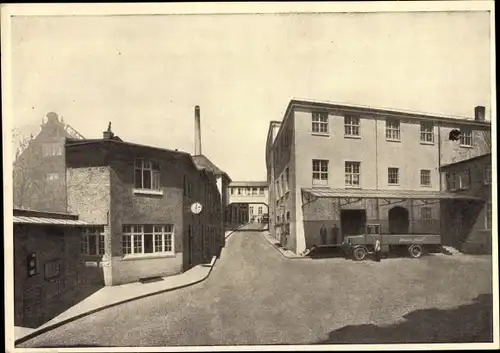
(139, 200)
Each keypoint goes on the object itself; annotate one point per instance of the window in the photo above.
(466, 138)
(148, 238)
(427, 132)
(287, 216)
(93, 241)
(232, 191)
(392, 129)
(351, 126)
(147, 174)
(320, 123)
(254, 191)
(52, 176)
(487, 174)
(464, 179)
(451, 180)
(426, 216)
(320, 171)
(488, 215)
(261, 191)
(239, 192)
(251, 210)
(52, 149)
(425, 177)
(352, 173)
(393, 176)
(259, 210)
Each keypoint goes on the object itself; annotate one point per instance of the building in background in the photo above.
(467, 224)
(247, 202)
(48, 266)
(39, 167)
(139, 201)
(333, 168)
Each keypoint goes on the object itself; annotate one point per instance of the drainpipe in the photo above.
(439, 156)
(376, 171)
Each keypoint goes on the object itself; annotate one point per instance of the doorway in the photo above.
(352, 222)
(399, 220)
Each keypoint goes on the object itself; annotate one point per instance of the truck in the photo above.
(359, 246)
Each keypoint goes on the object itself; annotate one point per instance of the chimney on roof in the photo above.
(197, 131)
(108, 134)
(52, 118)
(480, 113)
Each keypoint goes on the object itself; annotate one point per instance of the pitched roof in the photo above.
(486, 155)
(203, 162)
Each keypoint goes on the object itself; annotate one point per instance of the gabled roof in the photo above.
(203, 162)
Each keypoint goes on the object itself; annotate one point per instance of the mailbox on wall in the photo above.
(31, 262)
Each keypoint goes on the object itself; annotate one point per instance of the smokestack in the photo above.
(197, 131)
(480, 113)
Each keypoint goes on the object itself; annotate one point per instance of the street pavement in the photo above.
(256, 296)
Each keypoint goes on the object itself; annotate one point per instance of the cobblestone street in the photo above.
(256, 296)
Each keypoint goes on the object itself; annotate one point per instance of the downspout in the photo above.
(376, 170)
(439, 156)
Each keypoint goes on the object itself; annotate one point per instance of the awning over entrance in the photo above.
(385, 194)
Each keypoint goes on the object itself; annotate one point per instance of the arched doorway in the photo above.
(399, 220)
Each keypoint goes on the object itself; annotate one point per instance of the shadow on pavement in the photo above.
(465, 324)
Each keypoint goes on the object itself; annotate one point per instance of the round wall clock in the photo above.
(196, 208)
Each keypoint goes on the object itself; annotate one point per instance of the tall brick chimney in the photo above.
(197, 131)
(480, 113)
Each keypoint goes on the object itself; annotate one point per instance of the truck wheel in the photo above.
(416, 251)
(359, 253)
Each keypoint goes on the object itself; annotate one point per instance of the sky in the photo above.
(145, 74)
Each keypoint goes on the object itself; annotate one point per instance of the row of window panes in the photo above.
(247, 191)
(460, 180)
(392, 129)
(93, 241)
(259, 210)
(52, 149)
(147, 238)
(352, 173)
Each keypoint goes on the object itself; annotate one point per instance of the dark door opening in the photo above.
(352, 222)
(399, 220)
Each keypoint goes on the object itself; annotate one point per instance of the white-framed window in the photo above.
(425, 177)
(464, 179)
(320, 171)
(427, 132)
(255, 191)
(392, 129)
(351, 126)
(260, 210)
(320, 123)
(147, 174)
(488, 216)
(147, 239)
(232, 191)
(251, 209)
(52, 176)
(352, 173)
(426, 215)
(52, 149)
(93, 240)
(261, 191)
(393, 176)
(451, 178)
(466, 138)
(240, 192)
(487, 174)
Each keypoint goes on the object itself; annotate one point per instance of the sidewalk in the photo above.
(114, 295)
(286, 253)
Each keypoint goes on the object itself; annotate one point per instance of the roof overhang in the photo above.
(317, 193)
(49, 221)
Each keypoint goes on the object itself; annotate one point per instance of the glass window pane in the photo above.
(146, 179)
(148, 243)
(92, 244)
(138, 179)
(148, 228)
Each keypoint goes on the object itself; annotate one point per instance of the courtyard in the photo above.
(255, 296)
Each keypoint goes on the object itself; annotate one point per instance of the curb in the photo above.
(101, 308)
(234, 231)
(282, 254)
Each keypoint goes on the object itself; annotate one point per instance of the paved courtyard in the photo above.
(256, 296)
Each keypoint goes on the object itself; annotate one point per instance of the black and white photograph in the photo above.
(250, 176)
